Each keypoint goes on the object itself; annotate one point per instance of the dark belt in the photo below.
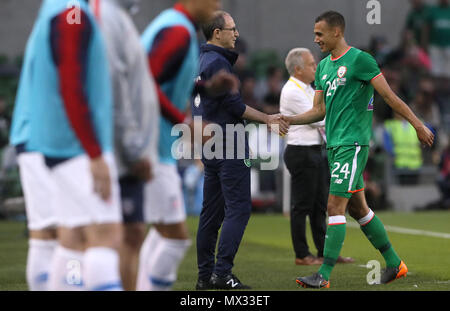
(299, 147)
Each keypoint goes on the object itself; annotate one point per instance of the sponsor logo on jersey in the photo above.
(341, 71)
(370, 106)
(341, 81)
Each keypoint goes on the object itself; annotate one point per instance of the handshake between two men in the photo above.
(278, 123)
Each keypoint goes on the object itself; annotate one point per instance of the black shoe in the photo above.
(314, 281)
(227, 282)
(204, 284)
(391, 274)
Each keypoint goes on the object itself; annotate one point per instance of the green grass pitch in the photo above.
(266, 260)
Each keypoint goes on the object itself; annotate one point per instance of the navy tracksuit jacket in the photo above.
(226, 192)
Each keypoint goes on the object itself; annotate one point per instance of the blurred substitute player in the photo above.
(172, 47)
(136, 115)
(66, 96)
(226, 193)
(344, 94)
(36, 182)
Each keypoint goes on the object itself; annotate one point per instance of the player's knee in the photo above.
(336, 205)
(44, 234)
(72, 238)
(353, 212)
(176, 231)
(107, 235)
(334, 209)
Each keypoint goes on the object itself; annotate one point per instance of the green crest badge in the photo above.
(247, 162)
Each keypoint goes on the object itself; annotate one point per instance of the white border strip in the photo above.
(336, 220)
(409, 231)
(354, 168)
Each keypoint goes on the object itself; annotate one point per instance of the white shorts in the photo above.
(76, 202)
(38, 190)
(163, 196)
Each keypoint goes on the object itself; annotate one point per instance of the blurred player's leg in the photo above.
(67, 262)
(134, 229)
(134, 235)
(164, 207)
(37, 187)
(101, 258)
(86, 218)
(149, 245)
(136, 116)
(40, 253)
(172, 242)
(161, 256)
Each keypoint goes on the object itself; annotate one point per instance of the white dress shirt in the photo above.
(296, 98)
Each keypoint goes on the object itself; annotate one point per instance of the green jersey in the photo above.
(439, 21)
(415, 21)
(348, 94)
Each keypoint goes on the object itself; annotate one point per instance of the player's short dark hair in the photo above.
(218, 22)
(333, 19)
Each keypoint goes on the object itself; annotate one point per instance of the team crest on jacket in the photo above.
(197, 99)
(341, 71)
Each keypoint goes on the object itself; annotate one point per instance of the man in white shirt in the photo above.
(304, 160)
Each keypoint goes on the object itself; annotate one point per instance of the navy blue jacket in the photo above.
(226, 109)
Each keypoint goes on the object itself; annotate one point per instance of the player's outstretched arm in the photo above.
(275, 121)
(317, 112)
(423, 133)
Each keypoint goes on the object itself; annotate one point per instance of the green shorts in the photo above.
(347, 165)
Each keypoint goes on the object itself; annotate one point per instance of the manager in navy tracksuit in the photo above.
(226, 193)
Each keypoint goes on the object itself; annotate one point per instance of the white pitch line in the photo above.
(410, 231)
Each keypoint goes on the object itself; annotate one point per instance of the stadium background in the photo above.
(265, 24)
(268, 30)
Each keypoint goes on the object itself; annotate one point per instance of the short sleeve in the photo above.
(366, 67)
(317, 83)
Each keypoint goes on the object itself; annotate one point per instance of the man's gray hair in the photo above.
(295, 58)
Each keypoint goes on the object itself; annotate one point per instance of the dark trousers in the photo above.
(309, 191)
(226, 203)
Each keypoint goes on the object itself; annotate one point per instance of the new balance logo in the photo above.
(233, 283)
(338, 181)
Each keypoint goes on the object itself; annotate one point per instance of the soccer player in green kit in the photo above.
(345, 81)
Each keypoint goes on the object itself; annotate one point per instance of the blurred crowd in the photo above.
(417, 69)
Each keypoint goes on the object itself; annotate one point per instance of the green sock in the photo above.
(334, 240)
(377, 235)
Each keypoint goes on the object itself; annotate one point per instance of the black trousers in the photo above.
(227, 203)
(309, 193)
